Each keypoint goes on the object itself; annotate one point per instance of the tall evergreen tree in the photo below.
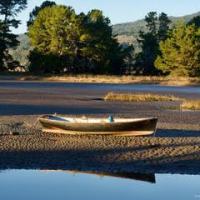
(157, 28)
(37, 9)
(52, 36)
(195, 21)
(99, 40)
(164, 23)
(2, 47)
(180, 53)
(66, 42)
(151, 22)
(8, 12)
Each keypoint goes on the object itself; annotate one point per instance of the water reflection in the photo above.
(59, 185)
(124, 175)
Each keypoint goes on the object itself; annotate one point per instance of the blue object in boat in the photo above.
(111, 119)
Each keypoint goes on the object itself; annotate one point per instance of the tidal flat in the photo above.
(174, 149)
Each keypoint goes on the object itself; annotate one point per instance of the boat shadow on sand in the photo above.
(177, 133)
(182, 157)
(171, 151)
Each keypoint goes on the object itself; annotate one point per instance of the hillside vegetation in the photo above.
(22, 51)
(133, 28)
(127, 33)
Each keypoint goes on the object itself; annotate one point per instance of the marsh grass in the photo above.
(185, 104)
(111, 96)
(162, 80)
(191, 105)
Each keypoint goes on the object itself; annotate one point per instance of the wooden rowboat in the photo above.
(99, 126)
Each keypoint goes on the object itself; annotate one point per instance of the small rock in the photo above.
(14, 133)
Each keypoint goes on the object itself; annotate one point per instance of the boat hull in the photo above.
(139, 127)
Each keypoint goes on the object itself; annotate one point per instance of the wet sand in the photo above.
(175, 149)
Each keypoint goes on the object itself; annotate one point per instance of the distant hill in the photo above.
(127, 34)
(22, 51)
(133, 28)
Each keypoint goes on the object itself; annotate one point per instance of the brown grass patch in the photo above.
(180, 81)
(111, 96)
(130, 97)
(191, 105)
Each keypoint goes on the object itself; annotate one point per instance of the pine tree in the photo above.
(164, 23)
(8, 12)
(2, 47)
(157, 28)
(52, 36)
(37, 9)
(66, 42)
(180, 53)
(195, 21)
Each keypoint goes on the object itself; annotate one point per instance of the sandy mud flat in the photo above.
(174, 151)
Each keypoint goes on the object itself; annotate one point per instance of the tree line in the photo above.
(66, 42)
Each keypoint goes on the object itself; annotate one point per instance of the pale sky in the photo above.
(120, 11)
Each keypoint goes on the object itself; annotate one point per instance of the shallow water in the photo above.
(100, 86)
(63, 185)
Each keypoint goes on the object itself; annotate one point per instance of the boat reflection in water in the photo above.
(124, 175)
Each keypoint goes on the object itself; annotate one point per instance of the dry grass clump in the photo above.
(191, 104)
(130, 97)
(84, 78)
(180, 81)
(111, 96)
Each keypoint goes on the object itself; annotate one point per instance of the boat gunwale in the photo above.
(103, 122)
